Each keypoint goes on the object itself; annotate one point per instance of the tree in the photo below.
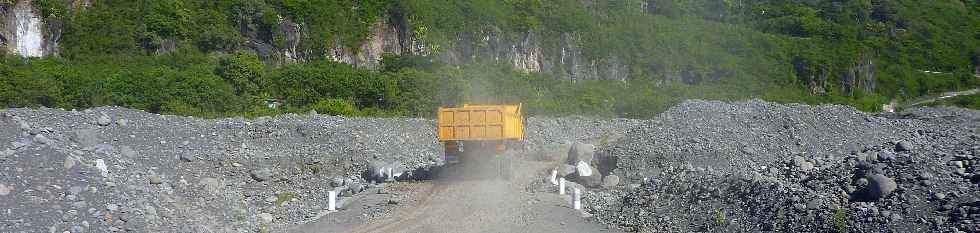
(243, 71)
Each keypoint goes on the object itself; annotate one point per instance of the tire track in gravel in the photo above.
(457, 203)
(404, 216)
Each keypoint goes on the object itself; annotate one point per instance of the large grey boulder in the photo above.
(86, 137)
(592, 181)
(155, 179)
(378, 170)
(610, 181)
(581, 152)
(565, 170)
(904, 146)
(103, 120)
(583, 169)
(553, 152)
(879, 186)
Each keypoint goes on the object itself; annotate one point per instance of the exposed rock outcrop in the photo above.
(524, 51)
(26, 33)
(860, 76)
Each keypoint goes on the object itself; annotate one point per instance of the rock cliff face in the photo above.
(24, 32)
(388, 35)
(860, 76)
(976, 66)
(524, 51)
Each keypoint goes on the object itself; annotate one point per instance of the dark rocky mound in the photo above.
(754, 166)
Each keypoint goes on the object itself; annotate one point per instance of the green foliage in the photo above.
(719, 218)
(243, 71)
(167, 18)
(49, 8)
(840, 219)
(334, 107)
(963, 101)
(315, 168)
(673, 50)
(282, 197)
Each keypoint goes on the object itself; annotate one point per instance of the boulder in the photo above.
(262, 174)
(879, 186)
(378, 170)
(610, 181)
(565, 170)
(337, 182)
(155, 179)
(86, 137)
(187, 158)
(592, 181)
(581, 152)
(904, 146)
(806, 166)
(583, 169)
(553, 152)
(40, 138)
(356, 188)
(265, 218)
(798, 161)
(103, 120)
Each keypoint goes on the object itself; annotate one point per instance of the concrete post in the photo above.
(561, 186)
(391, 174)
(332, 200)
(554, 175)
(577, 202)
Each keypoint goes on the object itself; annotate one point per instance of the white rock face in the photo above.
(29, 41)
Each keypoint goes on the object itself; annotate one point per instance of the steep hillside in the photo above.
(403, 57)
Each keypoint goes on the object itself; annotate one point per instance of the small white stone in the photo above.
(100, 164)
(266, 218)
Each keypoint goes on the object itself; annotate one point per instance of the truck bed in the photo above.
(481, 123)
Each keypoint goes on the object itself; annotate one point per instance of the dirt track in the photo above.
(457, 204)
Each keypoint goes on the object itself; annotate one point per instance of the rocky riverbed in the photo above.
(702, 166)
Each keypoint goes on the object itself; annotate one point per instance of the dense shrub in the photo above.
(335, 107)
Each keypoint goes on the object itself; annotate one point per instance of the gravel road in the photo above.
(459, 201)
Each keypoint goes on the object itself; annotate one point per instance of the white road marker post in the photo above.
(577, 202)
(561, 186)
(391, 175)
(331, 200)
(554, 175)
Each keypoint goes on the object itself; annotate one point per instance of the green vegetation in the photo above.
(194, 58)
(285, 196)
(719, 218)
(840, 220)
(965, 101)
(315, 168)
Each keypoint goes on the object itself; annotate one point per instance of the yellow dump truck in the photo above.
(476, 133)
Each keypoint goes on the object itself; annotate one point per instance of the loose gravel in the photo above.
(702, 166)
(708, 166)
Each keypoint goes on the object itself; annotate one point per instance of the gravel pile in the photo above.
(702, 166)
(706, 166)
(114, 169)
